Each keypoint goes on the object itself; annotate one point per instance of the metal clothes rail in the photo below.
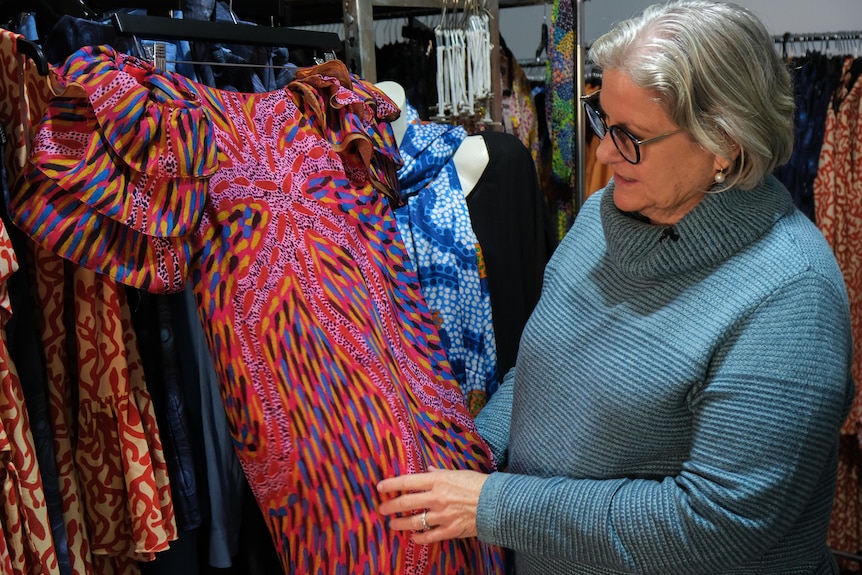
(825, 41)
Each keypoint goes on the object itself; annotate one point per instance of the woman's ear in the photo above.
(721, 164)
(733, 151)
(724, 163)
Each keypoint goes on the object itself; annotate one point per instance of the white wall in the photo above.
(521, 27)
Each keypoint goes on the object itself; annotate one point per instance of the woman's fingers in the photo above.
(411, 522)
(409, 482)
(446, 500)
(407, 503)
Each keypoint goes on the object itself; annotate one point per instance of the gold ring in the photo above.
(425, 526)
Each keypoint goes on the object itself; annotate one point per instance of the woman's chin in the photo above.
(626, 203)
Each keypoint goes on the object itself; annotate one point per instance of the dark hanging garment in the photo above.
(413, 64)
(511, 222)
(815, 78)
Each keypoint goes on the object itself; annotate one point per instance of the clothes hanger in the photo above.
(34, 53)
(543, 41)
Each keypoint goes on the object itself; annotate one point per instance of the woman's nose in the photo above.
(606, 151)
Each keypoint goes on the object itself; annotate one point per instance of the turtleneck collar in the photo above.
(719, 226)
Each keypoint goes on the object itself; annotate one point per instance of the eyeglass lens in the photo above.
(623, 141)
(596, 121)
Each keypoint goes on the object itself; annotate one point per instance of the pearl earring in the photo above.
(720, 177)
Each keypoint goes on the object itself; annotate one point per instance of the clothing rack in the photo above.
(360, 39)
(179, 29)
(533, 65)
(824, 38)
(819, 37)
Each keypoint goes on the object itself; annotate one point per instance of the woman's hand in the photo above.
(448, 499)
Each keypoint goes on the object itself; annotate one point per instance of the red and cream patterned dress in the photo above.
(113, 482)
(838, 211)
(25, 538)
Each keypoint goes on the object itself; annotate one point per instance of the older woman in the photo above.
(679, 388)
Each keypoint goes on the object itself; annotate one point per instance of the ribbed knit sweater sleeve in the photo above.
(677, 420)
(494, 418)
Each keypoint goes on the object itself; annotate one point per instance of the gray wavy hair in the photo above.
(718, 75)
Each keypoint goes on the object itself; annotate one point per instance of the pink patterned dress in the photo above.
(331, 370)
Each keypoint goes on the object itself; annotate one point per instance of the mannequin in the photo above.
(508, 216)
(471, 157)
(435, 225)
(395, 91)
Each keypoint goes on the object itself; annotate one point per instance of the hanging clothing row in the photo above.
(820, 177)
(267, 214)
(360, 42)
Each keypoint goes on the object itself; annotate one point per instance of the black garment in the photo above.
(255, 69)
(151, 317)
(511, 223)
(815, 78)
(413, 64)
(71, 34)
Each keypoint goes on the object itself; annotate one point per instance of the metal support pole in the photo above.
(496, 114)
(580, 49)
(359, 39)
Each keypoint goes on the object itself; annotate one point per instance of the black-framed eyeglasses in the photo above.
(628, 146)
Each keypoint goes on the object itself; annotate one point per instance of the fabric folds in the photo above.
(330, 366)
(125, 158)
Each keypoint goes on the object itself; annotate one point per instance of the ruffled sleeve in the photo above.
(117, 177)
(354, 117)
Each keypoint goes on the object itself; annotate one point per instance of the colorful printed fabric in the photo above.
(519, 110)
(50, 280)
(838, 209)
(21, 102)
(837, 195)
(95, 526)
(116, 495)
(439, 237)
(118, 453)
(332, 373)
(120, 151)
(560, 110)
(25, 541)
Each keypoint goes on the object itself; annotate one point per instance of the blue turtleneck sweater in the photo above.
(677, 397)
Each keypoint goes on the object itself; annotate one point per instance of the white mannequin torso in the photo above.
(471, 157)
(399, 98)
